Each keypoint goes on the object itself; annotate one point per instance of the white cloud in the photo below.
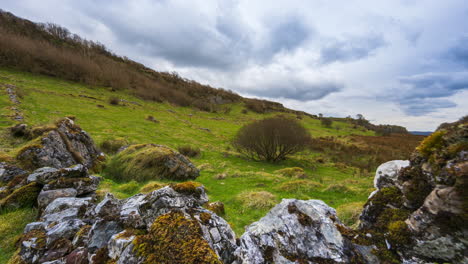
(335, 57)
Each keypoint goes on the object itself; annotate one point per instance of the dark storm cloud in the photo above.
(435, 85)
(354, 48)
(425, 92)
(459, 52)
(423, 106)
(298, 89)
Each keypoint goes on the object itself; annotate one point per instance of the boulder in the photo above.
(419, 212)
(62, 147)
(8, 172)
(146, 162)
(296, 231)
(387, 173)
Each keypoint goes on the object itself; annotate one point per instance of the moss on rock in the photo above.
(22, 197)
(144, 162)
(174, 239)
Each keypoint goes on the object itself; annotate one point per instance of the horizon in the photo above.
(403, 63)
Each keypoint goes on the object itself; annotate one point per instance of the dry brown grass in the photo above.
(257, 200)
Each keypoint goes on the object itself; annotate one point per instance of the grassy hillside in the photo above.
(239, 183)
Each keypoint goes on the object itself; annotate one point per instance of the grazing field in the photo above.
(337, 168)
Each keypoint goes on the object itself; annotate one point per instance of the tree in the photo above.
(326, 122)
(271, 139)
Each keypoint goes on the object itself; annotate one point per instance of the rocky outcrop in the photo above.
(298, 231)
(420, 210)
(168, 225)
(65, 145)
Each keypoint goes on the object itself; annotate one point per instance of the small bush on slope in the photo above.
(271, 139)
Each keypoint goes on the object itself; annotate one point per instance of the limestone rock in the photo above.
(62, 147)
(295, 231)
(46, 197)
(387, 173)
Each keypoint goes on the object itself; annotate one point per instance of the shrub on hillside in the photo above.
(326, 122)
(114, 100)
(189, 151)
(271, 139)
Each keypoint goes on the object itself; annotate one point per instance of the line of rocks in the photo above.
(11, 91)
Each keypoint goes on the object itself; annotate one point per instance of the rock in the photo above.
(62, 209)
(420, 210)
(85, 185)
(62, 147)
(119, 242)
(387, 173)
(78, 256)
(43, 175)
(152, 162)
(8, 172)
(63, 230)
(101, 232)
(108, 208)
(293, 231)
(46, 197)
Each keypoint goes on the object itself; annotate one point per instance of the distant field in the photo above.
(334, 180)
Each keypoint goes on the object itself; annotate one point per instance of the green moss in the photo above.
(129, 188)
(398, 233)
(25, 196)
(112, 145)
(431, 143)
(39, 237)
(174, 239)
(390, 215)
(152, 186)
(190, 188)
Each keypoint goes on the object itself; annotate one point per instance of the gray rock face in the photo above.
(46, 197)
(293, 231)
(63, 147)
(77, 229)
(8, 172)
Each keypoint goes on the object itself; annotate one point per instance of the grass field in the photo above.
(45, 99)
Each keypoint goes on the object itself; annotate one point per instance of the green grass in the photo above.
(11, 227)
(47, 99)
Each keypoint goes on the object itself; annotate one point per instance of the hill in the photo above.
(46, 74)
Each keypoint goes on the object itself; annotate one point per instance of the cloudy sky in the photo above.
(394, 61)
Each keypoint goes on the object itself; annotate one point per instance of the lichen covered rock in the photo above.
(62, 147)
(420, 211)
(296, 231)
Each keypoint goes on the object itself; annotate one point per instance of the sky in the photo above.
(402, 62)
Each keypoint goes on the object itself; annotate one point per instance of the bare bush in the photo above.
(271, 139)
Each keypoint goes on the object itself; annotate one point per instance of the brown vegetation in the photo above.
(52, 50)
(271, 139)
(367, 152)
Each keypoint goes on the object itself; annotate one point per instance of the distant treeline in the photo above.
(52, 50)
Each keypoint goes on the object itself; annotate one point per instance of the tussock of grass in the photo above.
(152, 186)
(112, 145)
(299, 186)
(294, 172)
(257, 200)
(339, 188)
(349, 213)
(11, 227)
(129, 187)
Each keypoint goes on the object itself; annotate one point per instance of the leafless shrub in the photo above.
(271, 139)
